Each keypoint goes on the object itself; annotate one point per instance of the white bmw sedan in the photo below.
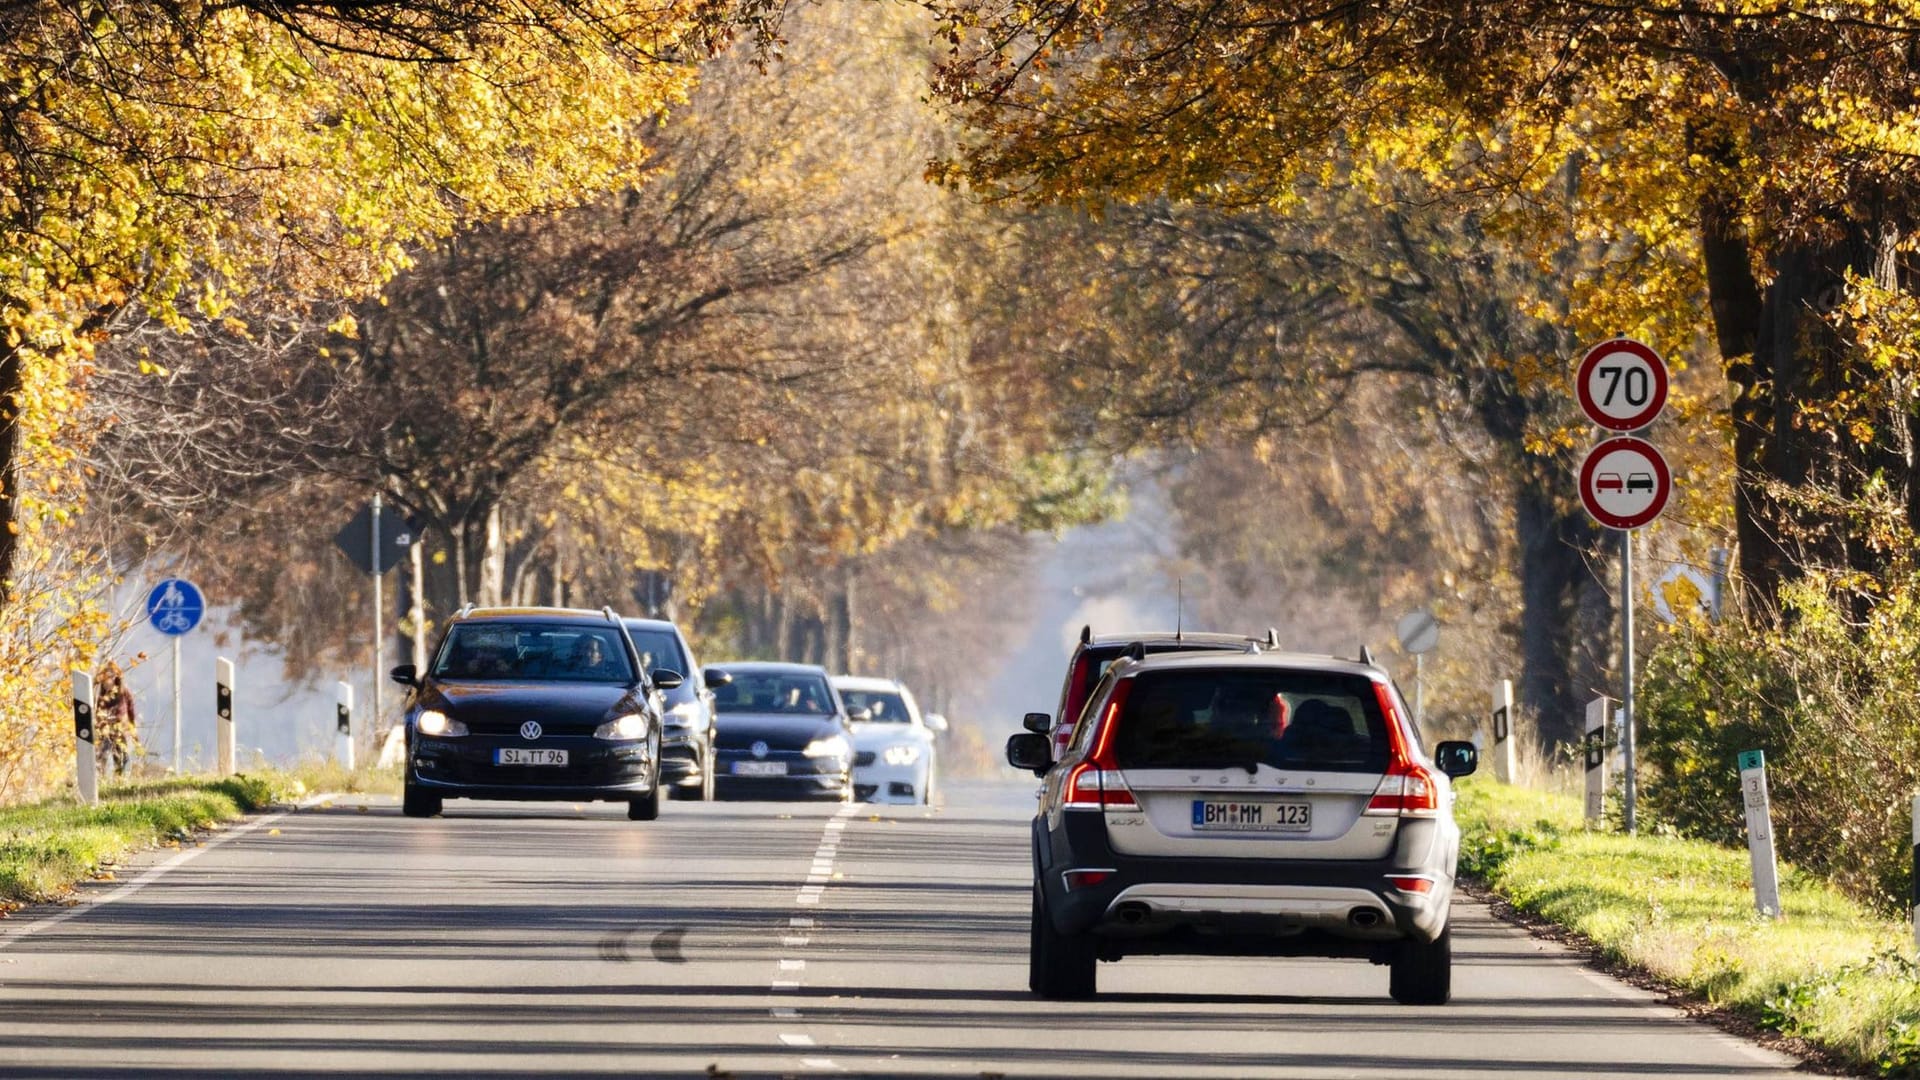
(893, 751)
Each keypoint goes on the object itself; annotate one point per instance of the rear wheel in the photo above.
(417, 803)
(645, 809)
(1060, 967)
(1421, 972)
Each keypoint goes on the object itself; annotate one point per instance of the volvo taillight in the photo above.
(1095, 783)
(1409, 789)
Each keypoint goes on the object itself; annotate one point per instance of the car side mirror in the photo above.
(1456, 758)
(716, 677)
(666, 678)
(1028, 750)
(406, 675)
(1037, 722)
(935, 723)
(860, 715)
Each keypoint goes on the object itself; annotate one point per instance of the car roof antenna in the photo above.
(1179, 606)
(1366, 656)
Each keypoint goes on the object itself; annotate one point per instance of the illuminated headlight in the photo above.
(685, 714)
(435, 722)
(831, 746)
(630, 726)
(903, 754)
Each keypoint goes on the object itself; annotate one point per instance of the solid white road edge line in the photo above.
(153, 873)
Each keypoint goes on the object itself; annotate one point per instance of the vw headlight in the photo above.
(435, 722)
(630, 726)
(831, 746)
(685, 714)
(901, 754)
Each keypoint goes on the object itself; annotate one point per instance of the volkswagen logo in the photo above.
(530, 730)
(759, 749)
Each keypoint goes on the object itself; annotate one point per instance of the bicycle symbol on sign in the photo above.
(173, 622)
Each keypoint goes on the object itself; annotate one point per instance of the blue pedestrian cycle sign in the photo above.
(175, 606)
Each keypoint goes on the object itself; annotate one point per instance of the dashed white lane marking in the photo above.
(185, 855)
(819, 1063)
(819, 874)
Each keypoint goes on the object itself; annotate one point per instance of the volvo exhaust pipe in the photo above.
(1364, 918)
(1133, 913)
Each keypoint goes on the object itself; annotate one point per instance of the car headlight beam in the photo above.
(831, 746)
(436, 723)
(630, 726)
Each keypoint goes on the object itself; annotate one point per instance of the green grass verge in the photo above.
(46, 847)
(1832, 972)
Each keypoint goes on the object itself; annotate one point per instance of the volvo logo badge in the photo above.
(530, 730)
(759, 749)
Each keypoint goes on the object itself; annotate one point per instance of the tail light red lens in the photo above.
(1411, 884)
(1409, 789)
(1096, 784)
(1081, 879)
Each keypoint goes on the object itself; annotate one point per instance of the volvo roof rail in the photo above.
(1086, 633)
(1366, 656)
(1273, 638)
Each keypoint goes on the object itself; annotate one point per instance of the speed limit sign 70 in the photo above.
(1622, 384)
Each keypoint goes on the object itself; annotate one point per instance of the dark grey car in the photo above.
(687, 753)
(783, 733)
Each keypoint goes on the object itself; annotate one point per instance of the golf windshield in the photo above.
(545, 652)
(777, 692)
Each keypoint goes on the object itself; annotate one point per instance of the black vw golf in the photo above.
(534, 703)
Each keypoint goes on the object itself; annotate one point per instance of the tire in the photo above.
(1421, 972)
(1060, 967)
(646, 809)
(417, 803)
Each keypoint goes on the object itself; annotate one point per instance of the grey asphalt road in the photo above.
(737, 939)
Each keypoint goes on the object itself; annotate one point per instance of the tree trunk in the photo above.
(493, 561)
(12, 381)
(1558, 641)
(1733, 295)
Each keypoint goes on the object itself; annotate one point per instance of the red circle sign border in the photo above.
(1654, 407)
(1662, 477)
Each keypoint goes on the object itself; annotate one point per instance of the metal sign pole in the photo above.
(1419, 689)
(1629, 814)
(176, 705)
(379, 642)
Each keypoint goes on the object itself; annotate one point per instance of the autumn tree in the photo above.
(1753, 151)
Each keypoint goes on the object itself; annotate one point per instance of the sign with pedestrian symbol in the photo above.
(1625, 483)
(1622, 384)
(175, 606)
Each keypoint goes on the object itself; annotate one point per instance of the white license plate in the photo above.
(513, 755)
(759, 768)
(1235, 815)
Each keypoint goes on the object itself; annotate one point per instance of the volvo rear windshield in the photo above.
(1244, 718)
(537, 651)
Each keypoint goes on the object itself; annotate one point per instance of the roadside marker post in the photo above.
(1766, 871)
(1916, 872)
(343, 723)
(1596, 752)
(1503, 766)
(86, 768)
(223, 713)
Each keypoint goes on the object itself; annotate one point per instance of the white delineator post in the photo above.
(1597, 752)
(1503, 740)
(223, 712)
(1916, 872)
(85, 766)
(1753, 793)
(343, 723)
